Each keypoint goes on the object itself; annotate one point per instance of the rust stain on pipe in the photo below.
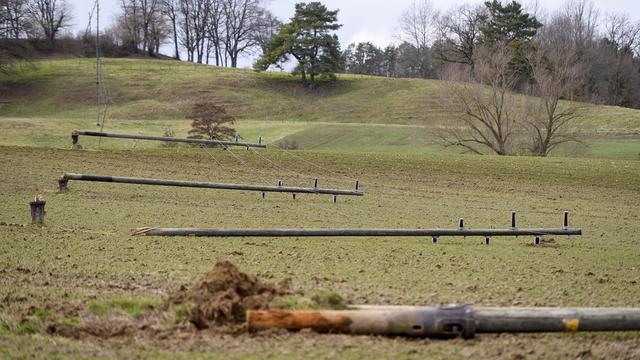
(269, 319)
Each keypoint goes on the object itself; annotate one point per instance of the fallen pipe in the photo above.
(63, 183)
(76, 134)
(350, 232)
(447, 322)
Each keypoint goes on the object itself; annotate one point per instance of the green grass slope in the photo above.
(357, 113)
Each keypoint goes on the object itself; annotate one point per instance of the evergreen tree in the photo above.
(509, 24)
(308, 39)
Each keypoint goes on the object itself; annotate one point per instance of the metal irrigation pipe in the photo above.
(351, 232)
(77, 133)
(446, 322)
(63, 183)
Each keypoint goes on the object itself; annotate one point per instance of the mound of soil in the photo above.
(224, 294)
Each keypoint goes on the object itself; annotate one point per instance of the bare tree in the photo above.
(129, 26)
(241, 22)
(417, 27)
(193, 27)
(215, 33)
(143, 25)
(149, 12)
(458, 34)
(159, 31)
(51, 16)
(170, 8)
(582, 17)
(555, 75)
(623, 33)
(266, 27)
(4, 19)
(489, 112)
(14, 19)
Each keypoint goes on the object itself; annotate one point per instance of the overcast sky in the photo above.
(363, 20)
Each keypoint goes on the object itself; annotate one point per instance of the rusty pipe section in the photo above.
(447, 322)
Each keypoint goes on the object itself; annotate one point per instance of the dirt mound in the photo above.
(224, 294)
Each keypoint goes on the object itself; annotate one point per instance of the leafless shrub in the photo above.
(555, 76)
(289, 144)
(488, 113)
(168, 144)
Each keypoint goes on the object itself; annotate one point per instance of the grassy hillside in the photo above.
(357, 113)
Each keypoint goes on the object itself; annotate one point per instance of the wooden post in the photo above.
(37, 210)
(63, 184)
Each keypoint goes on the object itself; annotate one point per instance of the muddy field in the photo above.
(82, 286)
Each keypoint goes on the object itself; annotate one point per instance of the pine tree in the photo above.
(509, 24)
(308, 39)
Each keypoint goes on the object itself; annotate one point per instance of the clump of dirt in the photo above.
(224, 294)
(218, 302)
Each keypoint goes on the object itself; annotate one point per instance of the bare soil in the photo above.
(218, 302)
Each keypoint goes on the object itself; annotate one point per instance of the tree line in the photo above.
(605, 47)
(42, 19)
(216, 32)
(209, 31)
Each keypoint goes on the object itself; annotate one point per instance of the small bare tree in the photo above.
(488, 106)
(555, 76)
(51, 16)
(210, 121)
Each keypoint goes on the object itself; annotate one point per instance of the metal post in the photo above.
(315, 183)
(566, 220)
(461, 224)
(537, 239)
(357, 185)
(335, 199)
(487, 239)
(435, 239)
(513, 219)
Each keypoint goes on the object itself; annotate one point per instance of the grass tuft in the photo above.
(129, 306)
